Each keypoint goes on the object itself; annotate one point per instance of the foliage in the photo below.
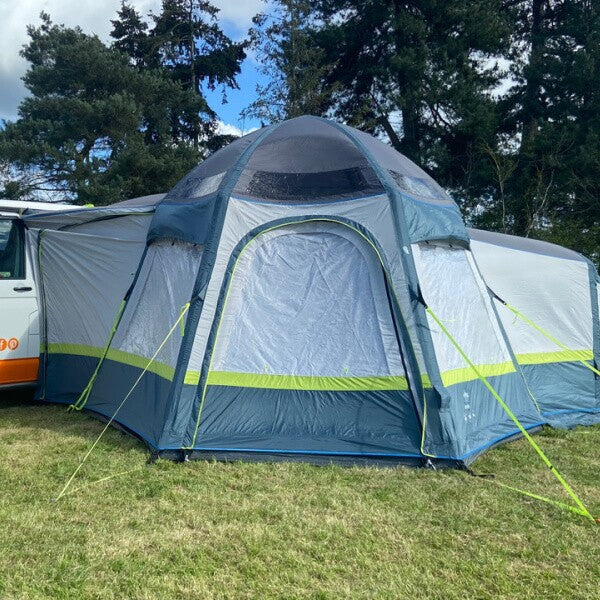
(105, 124)
(185, 41)
(498, 99)
(92, 127)
(293, 62)
(553, 113)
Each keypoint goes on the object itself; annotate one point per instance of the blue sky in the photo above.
(237, 100)
(93, 16)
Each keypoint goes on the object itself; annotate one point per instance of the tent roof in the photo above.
(306, 160)
(525, 244)
(303, 162)
(81, 214)
(150, 200)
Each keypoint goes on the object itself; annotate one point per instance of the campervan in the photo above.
(19, 322)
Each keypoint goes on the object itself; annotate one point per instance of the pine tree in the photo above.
(421, 73)
(185, 40)
(193, 46)
(284, 41)
(131, 36)
(94, 129)
(550, 123)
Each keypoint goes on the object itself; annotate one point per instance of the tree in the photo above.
(420, 72)
(284, 40)
(570, 130)
(94, 129)
(186, 41)
(130, 34)
(550, 118)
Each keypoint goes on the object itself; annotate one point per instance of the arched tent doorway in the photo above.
(306, 354)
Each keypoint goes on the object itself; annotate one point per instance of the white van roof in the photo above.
(20, 206)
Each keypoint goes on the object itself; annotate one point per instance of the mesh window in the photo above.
(292, 187)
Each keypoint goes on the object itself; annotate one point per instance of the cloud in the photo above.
(93, 16)
(239, 13)
(229, 129)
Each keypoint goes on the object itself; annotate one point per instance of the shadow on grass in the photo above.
(17, 397)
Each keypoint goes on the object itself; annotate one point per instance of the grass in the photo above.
(215, 530)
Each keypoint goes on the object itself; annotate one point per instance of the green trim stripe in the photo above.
(455, 376)
(192, 378)
(542, 358)
(281, 382)
(133, 360)
(342, 384)
(306, 382)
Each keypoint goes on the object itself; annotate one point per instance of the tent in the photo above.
(556, 289)
(86, 260)
(305, 293)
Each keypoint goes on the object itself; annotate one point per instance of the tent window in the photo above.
(309, 186)
(416, 186)
(12, 250)
(455, 291)
(164, 285)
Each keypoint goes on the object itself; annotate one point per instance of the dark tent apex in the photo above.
(306, 160)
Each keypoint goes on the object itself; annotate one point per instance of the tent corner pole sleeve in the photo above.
(42, 295)
(85, 394)
(203, 278)
(593, 285)
(581, 509)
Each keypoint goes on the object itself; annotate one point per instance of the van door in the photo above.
(19, 329)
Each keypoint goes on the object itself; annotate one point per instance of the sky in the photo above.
(94, 16)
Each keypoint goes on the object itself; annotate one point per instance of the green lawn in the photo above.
(213, 530)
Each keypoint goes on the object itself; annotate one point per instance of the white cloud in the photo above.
(239, 13)
(229, 129)
(93, 16)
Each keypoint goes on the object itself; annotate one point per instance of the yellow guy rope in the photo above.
(580, 509)
(173, 328)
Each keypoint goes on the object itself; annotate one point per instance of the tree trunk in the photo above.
(192, 63)
(529, 122)
(409, 144)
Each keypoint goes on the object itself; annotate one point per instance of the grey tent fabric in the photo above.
(282, 287)
(144, 205)
(150, 200)
(503, 240)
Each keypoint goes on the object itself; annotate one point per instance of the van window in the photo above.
(12, 250)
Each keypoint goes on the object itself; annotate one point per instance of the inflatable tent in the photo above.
(555, 288)
(86, 260)
(285, 305)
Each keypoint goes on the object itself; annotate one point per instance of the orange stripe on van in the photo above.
(18, 370)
